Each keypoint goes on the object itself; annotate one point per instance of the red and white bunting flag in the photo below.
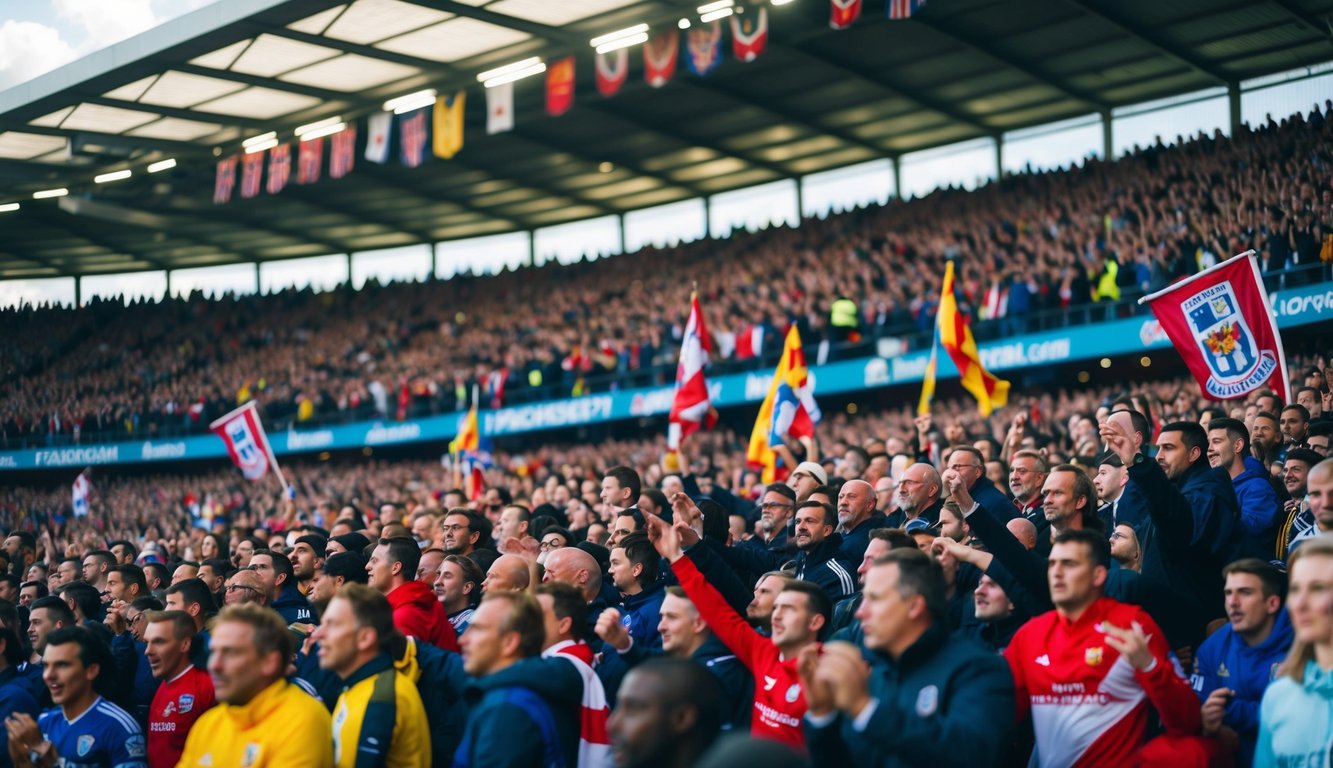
(500, 108)
(310, 161)
(279, 167)
(659, 58)
(378, 127)
(81, 490)
(1223, 328)
(691, 407)
(413, 136)
(749, 34)
(612, 71)
(252, 172)
(560, 86)
(226, 180)
(342, 152)
(247, 444)
(844, 13)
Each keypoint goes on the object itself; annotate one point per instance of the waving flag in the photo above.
(226, 180)
(81, 491)
(749, 34)
(1220, 323)
(843, 13)
(279, 168)
(469, 436)
(471, 453)
(691, 408)
(413, 136)
(789, 410)
(612, 70)
(310, 160)
(247, 444)
(955, 335)
(659, 58)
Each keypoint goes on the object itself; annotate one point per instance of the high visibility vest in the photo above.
(844, 313)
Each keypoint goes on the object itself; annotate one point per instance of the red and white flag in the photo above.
(612, 70)
(310, 161)
(1223, 328)
(749, 34)
(560, 86)
(500, 108)
(279, 168)
(691, 408)
(342, 152)
(252, 172)
(226, 180)
(659, 58)
(844, 13)
(247, 444)
(378, 127)
(81, 490)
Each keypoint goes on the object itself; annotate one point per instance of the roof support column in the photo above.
(898, 176)
(708, 216)
(1108, 138)
(621, 221)
(1233, 106)
(800, 200)
(259, 284)
(532, 248)
(999, 156)
(78, 291)
(349, 268)
(434, 254)
(167, 295)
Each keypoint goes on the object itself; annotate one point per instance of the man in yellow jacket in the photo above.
(379, 721)
(261, 721)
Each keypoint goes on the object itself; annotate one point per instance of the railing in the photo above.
(907, 337)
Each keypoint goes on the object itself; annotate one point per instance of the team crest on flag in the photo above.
(560, 86)
(703, 48)
(749, 34)
(659, 58)
(279, 167)
(412, 137)
(612, 70)
(226, 180)
(844, 13)
(252, 171)
(310, 158)
(1220, 323)
(246, 442)
(342, 152)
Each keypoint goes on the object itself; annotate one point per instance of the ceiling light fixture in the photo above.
(162, 165)
(319, 125)
(262, 138)
(621, 38)
(512, 72)
(113, 176)
(410, 102)
(720, 13)
(715, 6)
(45, 193)
(7, 207)
(327, 130)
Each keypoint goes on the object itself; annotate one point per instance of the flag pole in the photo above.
(923, 404)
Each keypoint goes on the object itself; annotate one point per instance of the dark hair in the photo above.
(639, 551)
(830, 513)
(91, 648)
(506, 498)
(660, 500)
(1268, 415)
(42, 590)
(538, 526)
(403, 549)
(477, 524)
(1236, 430)
(269, 631)
(816, 598)
(981, 460)
(132, 574)
(471, 573)
(626, 478)
(524, 514)
(105, 556)
(896, 537)
(782, 489)
(1300, 409)
(1273, 580)
(56, 606)
(1310, 457)
(828, 490)
(862, 455)
(282, 565)
(182, 624)
(26, 540)
(12, 580)
(524, 617)
(194, 592)
(146, 603)
(14, 650)
(223, 568)
(224, 547)
(161, 570)
(1321, 429)
(124, 543)
(1099, 547)
(689, 684)
(919, 574)
(567, 602)
(636, 515)
(85, 596)
(715, 516)
(1191, 435)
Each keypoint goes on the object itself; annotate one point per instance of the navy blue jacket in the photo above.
(1225, 661)
(1194, 530)
(134, 671)
(822, 565)
(501, 733)
(945, 702)
(293, 607)
(855, 541)
(984, 492)
(1260, 508)
(641, 613)
(15, 696)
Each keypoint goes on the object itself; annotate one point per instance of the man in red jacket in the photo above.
(416, 611)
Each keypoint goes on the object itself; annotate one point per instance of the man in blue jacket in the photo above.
(634, 565)
(968, 463)
(525, 709)
(818, 559)
(1229, 449)
(1236, 663)
(933, 700)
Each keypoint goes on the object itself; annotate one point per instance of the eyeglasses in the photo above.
(775, 505)
(549, 545)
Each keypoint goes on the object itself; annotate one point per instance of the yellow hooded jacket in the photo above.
(281, 727)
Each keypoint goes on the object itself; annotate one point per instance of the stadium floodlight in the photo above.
(45, 193)
(7, 207)
(683, 23)
(113, 176)
(320, 128)
(410, 102)
(511, 72)
(622, 38)
(162, 165)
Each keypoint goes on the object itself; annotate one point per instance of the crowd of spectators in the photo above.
(1033, 250)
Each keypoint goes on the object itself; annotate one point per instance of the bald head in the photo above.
(1024, 531)
(856, 503)
(918, 489)
(573, 566)
(509, 573)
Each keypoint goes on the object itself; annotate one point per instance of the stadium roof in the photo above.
(818, 99)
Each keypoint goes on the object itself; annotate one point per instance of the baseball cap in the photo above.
(352, 542)
(814, 470)
(350, 565)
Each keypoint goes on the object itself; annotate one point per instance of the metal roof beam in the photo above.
(619, 159)
(1154, 41)
(545, 189)
(72, 224)
(180, 114)
(1322, 28)
(234, 215)
(427, 65)
(735, 94)
(381, 177)
(979, 44)
(316, 201)
(261, 82)
(661, 130)
(537, 29)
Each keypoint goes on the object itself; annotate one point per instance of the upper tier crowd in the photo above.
(1089, 577)
(1033, 250)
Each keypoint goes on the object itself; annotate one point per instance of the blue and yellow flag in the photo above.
(788, 412)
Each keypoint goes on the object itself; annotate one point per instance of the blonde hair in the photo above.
(1301, 652)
